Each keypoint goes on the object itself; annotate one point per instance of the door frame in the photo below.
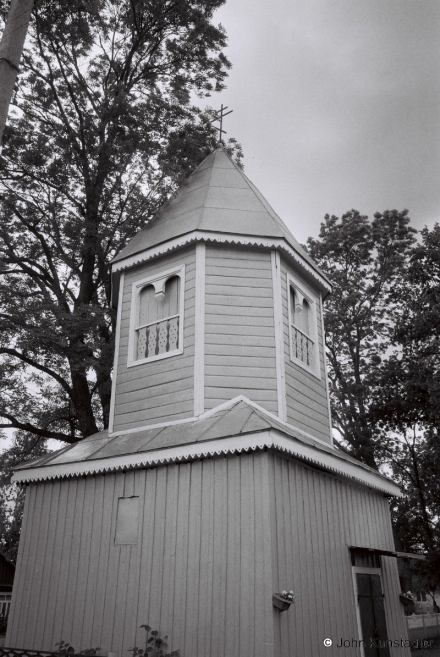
(355, 570)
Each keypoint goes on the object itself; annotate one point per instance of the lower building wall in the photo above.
(216, 538)
(201, 572)
(315, 517)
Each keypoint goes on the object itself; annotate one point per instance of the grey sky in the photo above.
(336, 104)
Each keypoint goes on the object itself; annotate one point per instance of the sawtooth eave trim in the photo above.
(223, 238)
(332, 463)
(271, 439)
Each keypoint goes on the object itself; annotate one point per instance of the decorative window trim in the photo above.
(116, 354)
(326, 379)
(299, 288)
(158, 281)
(279, 334)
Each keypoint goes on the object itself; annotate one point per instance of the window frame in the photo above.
(294, 283)
(157, 280)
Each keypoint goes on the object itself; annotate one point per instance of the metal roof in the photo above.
(217, 197)
(230, 428)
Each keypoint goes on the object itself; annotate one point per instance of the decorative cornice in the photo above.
(334, 464)
(271, 439)
(221, 238)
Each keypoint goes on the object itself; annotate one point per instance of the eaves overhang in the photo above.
(231, 239)
(270, 440)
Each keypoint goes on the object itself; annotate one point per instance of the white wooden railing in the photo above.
(158, 337)
(423, 620)
(302, 346)
(5, 603)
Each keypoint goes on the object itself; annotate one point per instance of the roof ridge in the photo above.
(223, 201)
(267, 206)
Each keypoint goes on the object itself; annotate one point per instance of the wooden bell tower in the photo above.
(246, 311)
(217, 485)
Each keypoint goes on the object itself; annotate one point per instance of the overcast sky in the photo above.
(336, 104)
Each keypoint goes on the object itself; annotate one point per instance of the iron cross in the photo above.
(221, 114)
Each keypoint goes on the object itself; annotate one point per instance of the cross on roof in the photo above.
(220, 116)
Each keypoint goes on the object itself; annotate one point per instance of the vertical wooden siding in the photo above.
(216, 539)
(201, 571)
(162, 390)
(314, 518)
(239, 327)
(307, 406)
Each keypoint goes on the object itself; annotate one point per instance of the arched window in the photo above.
(300, 312)
(302, 327)
(158, 311)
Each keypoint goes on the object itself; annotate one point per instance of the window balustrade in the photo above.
(158, 337)
(302, 346)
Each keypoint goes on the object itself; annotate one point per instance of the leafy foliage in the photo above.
(66, 649)
(410, 379)
(415, 465)
(104, 132)
(382, 335)
(155, 646)
(408, 402)
(25, 447)
(363, 260)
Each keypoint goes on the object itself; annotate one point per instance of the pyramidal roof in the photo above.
(216, 198)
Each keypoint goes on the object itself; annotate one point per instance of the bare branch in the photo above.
(38, 366)
(27, 426)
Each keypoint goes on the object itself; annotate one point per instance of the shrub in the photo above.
(154, 645)
(66, 649)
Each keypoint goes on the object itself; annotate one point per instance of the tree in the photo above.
(408, 403)
(105, 130)
(414, 461)
(11, 46)
(363, 261)
(25, 448)
(382, 328)
(410, 378)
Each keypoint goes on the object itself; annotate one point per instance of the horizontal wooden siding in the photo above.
(307, 406)
(162, 390)
(239, 327)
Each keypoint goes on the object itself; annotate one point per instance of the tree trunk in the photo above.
(11, 47)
